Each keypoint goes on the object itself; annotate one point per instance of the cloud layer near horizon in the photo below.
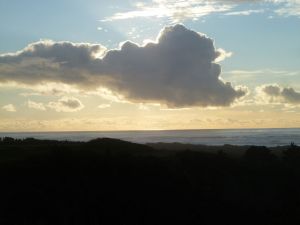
(273, 93)
(179, 70)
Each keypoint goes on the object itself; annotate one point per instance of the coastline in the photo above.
(240, 137)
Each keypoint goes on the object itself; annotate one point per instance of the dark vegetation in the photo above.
(107, 181)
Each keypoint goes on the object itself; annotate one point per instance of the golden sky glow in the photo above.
(164, 64)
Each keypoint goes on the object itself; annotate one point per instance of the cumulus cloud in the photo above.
(36, 105)
(290, 95)
(275, 94)
(66, 104)
(177, 70)
(9, 108)
(46, 61)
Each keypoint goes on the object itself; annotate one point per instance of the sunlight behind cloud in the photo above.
(179, 11)
(178, 70)
(176, 11)
(180, 64)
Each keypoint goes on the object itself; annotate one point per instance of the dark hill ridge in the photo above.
(108, 181)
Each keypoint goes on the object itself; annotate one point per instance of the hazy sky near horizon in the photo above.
(157, 64)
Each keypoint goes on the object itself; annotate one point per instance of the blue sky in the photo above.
(262, 39)
(256, 37)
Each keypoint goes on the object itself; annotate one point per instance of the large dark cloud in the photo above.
(179, 70)
(45, 61)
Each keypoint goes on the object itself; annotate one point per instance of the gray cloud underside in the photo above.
(287, 95)
(66, 104)
(179, 70)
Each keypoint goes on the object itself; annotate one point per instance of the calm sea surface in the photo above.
(267, 137)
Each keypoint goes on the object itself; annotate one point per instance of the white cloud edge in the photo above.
(54, 50)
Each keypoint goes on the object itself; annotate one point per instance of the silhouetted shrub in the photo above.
(259, 155)
(8, 140)
(107, 181)
(292, 155)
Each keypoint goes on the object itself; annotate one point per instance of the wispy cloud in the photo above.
(175, 10)
(179, 10)
(262, 72)
(104, 106)
(287, 7)
(244, 12)
(9, 108)
(36, 105)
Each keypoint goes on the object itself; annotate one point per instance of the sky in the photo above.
(149, 65)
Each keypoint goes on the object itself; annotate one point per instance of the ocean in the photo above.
(266, 137)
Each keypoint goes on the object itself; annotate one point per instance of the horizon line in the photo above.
(150, 130)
